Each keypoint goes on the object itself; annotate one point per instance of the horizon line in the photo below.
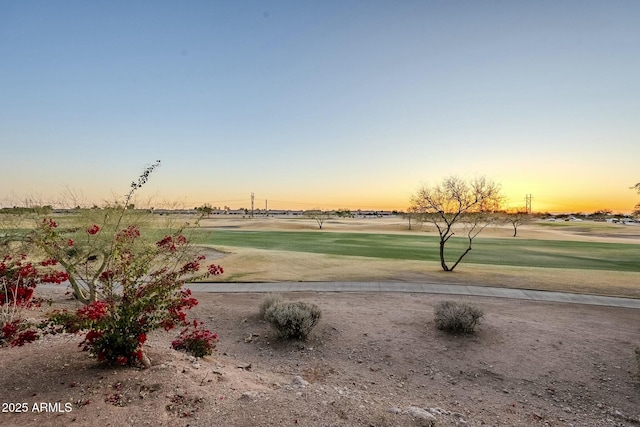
(260, 211)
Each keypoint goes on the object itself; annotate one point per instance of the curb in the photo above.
(481, 291)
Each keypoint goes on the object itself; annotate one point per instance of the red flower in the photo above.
(93, 229)
(167, 243)
(27, 271)
(215, 270)
(170, 243)
(55, 277)
(24, 337)
(92, 336)
(94, 311)
(10, 329)
(128, 234)
(48, 222)
(167, 324)
(106, 276)
(191, 266)
(70, 242)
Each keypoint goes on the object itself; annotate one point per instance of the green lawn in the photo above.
(511, 252)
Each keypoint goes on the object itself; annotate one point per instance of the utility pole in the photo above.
(528, 199)
(265, 206)
(252, 197)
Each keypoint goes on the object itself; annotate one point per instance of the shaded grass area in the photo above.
(509, 252)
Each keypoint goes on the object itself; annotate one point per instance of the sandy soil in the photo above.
(373, 360)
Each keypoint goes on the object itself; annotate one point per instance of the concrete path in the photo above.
(428, 288)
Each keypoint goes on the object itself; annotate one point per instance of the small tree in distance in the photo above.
(319, 216)
(205, 209)
(454, 201)
(516, 217)
(344, 213)
(410, 216)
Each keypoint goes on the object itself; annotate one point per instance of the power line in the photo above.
(528, 199)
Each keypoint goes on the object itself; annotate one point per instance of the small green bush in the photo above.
(452, 316)
(268, 302)
(293, 320)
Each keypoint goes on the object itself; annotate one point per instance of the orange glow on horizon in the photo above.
(549, 199)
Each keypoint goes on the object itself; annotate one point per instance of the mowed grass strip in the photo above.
(510, 252)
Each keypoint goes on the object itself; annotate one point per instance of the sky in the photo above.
(319, 104)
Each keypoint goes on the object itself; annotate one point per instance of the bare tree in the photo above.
(454, 201)
(319, 216)
(410, 215)
(205, 209)
(517, 217)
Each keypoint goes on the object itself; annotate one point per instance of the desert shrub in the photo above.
(293, 319)
(452, 316)
(140, 293)
(85, 244)
(637, 350)
(196, 341)
(130, 282)
(19, 277)
(270, 300)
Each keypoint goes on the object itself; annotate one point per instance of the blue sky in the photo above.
(320, 103)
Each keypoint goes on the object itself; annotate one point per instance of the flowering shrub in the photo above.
(87, 248)
(196, 341)
(19, 334)
(82, 252)
(19, 277)
(143, 291)
(130, 282)
(18, 280)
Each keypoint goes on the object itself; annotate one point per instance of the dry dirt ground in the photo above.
(373, 360)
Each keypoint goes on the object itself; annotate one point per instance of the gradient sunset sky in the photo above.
(332, 104)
